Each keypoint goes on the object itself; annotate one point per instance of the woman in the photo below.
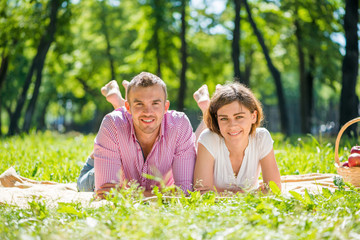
(234, 148)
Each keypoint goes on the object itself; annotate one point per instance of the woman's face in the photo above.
(235, 121)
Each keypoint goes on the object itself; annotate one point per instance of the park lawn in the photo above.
(51, 156)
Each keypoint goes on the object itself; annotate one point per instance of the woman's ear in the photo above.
(254, 116)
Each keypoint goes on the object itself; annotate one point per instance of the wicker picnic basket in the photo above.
(349, 174)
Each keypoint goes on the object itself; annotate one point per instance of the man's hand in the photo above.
(105, 188)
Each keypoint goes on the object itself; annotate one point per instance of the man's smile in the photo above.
(147, 120)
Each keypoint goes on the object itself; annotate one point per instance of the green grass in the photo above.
(46, 156)
(50, 156)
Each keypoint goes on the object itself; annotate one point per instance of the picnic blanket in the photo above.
(17, 190)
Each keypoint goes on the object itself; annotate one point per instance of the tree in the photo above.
(38, 64)
(182, 89)
(158, 16)
(313, 25)
(306, 83)
(349, 102)
(3, 69)
(235, 54)
(275, 73)
(105, 30)
(19, 22)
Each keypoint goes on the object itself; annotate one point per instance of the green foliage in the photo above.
(136, 35)
(170, 215)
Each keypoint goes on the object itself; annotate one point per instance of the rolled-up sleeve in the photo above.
(185, 155)
(106, 153)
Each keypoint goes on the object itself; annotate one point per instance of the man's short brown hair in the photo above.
(230, 93)
(146, 79)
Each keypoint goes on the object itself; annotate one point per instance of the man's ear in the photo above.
(167, 105)
(127, 106)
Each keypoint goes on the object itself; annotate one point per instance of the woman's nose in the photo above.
(231, 122)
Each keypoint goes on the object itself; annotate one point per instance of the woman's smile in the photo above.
(234, 133)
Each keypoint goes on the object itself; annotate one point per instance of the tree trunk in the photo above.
(43, 49)
(15, 116)
(158, 15)
(3, 71)
(157, 49)
(41, 125)
(182, 90)
(3, 68)
(349, 102)
(305, 118)
(248, 66)
(31, 106)
(107, 40)
(275, 73)
(0, 116)
(310, 90)
(236, 42)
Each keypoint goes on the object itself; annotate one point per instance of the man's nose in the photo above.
(147, 109)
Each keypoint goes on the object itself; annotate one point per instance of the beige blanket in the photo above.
(17, 190)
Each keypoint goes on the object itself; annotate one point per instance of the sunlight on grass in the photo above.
(46, 156)
(51, 156)
(307, 154)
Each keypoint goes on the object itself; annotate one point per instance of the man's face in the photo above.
(147, 105)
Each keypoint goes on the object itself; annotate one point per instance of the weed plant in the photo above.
(50, 156)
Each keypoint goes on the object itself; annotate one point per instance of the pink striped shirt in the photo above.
(117, 150)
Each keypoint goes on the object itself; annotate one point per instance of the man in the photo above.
(143, 137)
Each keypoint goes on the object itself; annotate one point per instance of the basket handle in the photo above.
(346, 125)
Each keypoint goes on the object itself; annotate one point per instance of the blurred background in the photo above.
(300, 57)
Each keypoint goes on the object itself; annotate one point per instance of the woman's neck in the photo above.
(237, 147)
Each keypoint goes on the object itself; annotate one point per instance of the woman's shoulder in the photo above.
(262, 131)
(208, 137)
(207, 133)
(211, 141)
(262, 137)
(262, 134)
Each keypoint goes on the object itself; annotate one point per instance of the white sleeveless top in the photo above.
(259, 147)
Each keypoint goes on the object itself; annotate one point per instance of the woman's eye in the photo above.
(223, 119)
(239, 117)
